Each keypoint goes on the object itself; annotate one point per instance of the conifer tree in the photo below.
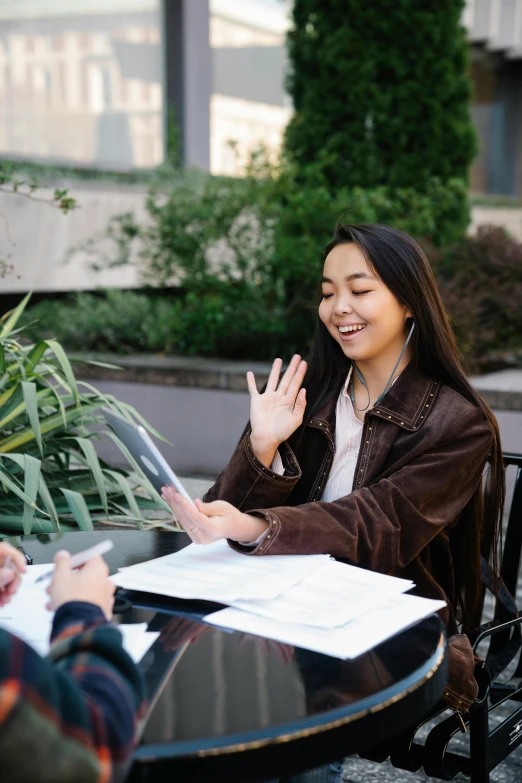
(381, 91)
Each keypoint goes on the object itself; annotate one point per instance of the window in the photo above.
(65, 72)
(249, 107)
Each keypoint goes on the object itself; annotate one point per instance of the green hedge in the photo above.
(381, 91)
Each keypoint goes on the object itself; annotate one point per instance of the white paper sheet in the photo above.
(218, 573)
(26, 616)
(330, 596)
(348, 641)
(137, 640)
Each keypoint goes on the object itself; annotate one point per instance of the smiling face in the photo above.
(358, 310)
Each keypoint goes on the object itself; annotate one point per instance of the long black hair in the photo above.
(404, 269)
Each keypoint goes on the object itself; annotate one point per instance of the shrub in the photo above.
(481, 285)
(115, 321)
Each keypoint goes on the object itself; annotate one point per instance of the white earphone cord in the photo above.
(388, 384)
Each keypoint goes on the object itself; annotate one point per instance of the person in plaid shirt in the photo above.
(71, 716)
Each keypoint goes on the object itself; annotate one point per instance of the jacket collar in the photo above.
(407, 404)
(410, 399)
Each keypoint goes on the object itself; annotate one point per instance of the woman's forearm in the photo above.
(265, 452)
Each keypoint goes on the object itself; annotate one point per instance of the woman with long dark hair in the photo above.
(374, 450)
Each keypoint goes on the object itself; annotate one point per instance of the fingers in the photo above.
(172, 627)
(273, 378)
(201, 526)
(300, 403)
(111, 587)
(290, 382)
(62, 562)
(169, 496)
(251, 383)
(97, 568)
(289, 374)
(7, 575)
(188, 517)
(17, 558)
(10, 580)
(211, 509)
(297, 380)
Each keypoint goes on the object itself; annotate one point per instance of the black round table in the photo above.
(234, 707)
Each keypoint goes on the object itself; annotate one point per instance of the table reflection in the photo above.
(228, 682)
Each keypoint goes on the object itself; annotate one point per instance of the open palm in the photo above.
(277, 412)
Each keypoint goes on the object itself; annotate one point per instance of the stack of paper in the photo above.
(329, 597)
(308, 601)
(27, 617)
(356, 637)
(218, 573)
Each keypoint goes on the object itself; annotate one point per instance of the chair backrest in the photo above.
(506, 644)
(512, 540)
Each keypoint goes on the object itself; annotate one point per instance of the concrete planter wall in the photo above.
(41, 252)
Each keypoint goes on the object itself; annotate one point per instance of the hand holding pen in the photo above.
(12, 566)
(90, 584)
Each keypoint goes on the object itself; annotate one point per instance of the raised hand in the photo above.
(278, 411)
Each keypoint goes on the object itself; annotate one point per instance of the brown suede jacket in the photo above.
(422, 456)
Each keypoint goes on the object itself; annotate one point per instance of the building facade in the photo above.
(88, 83)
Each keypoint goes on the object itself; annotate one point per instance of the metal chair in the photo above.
(489, 744)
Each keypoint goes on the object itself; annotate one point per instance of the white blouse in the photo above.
(348, 434)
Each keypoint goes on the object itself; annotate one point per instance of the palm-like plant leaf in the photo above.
(65, 365)
(31, 404)
(13, 487)
(79, 509)
(51, 477)
(124, 486)
(94, 464)
(11, 318)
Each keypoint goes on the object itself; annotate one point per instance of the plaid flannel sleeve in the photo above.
(74, 715)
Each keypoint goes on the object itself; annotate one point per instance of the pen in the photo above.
(82, 557)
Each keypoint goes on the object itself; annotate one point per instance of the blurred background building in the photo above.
(113, 85)
(89, 82)
(495, 36)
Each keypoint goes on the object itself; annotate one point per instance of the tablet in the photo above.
(145, 452)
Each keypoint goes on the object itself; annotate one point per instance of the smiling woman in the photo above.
(380, 461)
